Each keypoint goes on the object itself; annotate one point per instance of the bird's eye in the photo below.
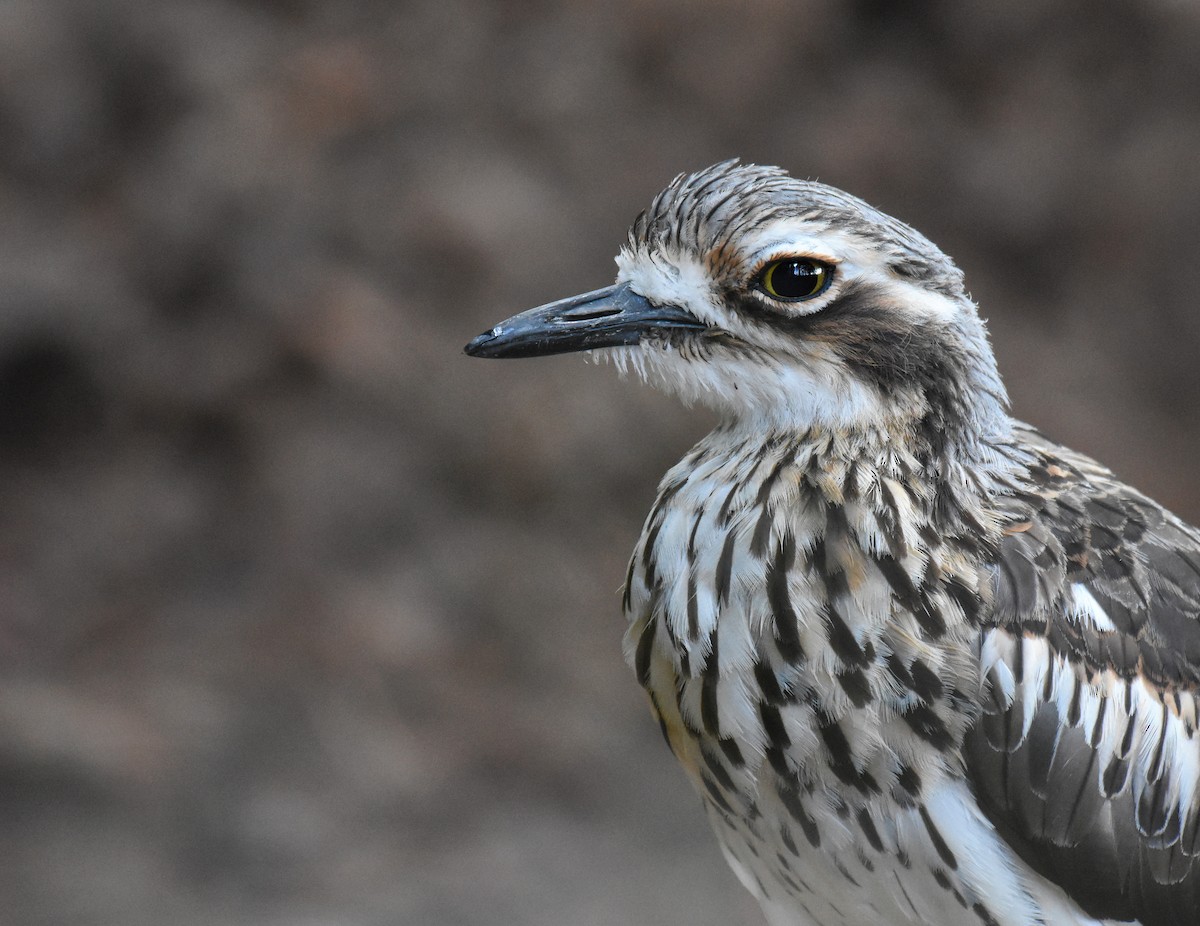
(793, 279)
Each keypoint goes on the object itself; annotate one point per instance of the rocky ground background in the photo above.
(306, 618)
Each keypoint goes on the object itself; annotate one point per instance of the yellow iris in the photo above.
(795, 278)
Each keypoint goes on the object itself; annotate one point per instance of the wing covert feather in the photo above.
(1086, 756)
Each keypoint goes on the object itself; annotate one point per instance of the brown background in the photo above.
(305, 618)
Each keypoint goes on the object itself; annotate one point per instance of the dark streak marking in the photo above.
(627, 591)
(693, 612)
(725, 568)
(718, 771)
(732, 752)
(841, 758)
(662, 724)
(1073, 709)
(1115, 776)
(904, 893)
(927, 725)
(837, 863)
(724, 515)
(787, 624)
(645, 647)
(777, 759)
(791, 802)
(684, 717)
(693, 615)
(939, 844)
(907, 594)
(762, 530)
(899, 670)
(1098, 727)
(985, 917)
(708, 688)
(717, 797)
(966, 599)
(773, 726)
(909, 780)
(1127, 739)
(789, 843)
(648, 549)
(856, 686)
(867, 825)
(925, 681)
(768, 684)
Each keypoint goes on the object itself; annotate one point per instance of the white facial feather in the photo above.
(788, 383)
(780, 392)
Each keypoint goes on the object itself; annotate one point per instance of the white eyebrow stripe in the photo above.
(782, 251)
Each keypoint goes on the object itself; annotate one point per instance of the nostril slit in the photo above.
(585, 315)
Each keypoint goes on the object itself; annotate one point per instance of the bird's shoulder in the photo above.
(1086, 756)
(1106, 574)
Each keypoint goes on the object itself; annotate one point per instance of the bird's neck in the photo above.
(940, 453)
(952, 426)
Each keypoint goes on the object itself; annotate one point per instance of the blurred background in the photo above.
(305, 617)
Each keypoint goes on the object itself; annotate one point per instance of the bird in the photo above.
(922, 664)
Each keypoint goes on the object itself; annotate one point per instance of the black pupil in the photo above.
(795, 279)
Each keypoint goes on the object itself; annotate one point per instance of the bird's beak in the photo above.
(608, 317)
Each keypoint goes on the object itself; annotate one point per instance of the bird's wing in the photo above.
(1087, 757)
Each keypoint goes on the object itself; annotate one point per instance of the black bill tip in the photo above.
(478, 345)
(609, 317)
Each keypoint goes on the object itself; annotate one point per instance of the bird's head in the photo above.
(785, 304)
